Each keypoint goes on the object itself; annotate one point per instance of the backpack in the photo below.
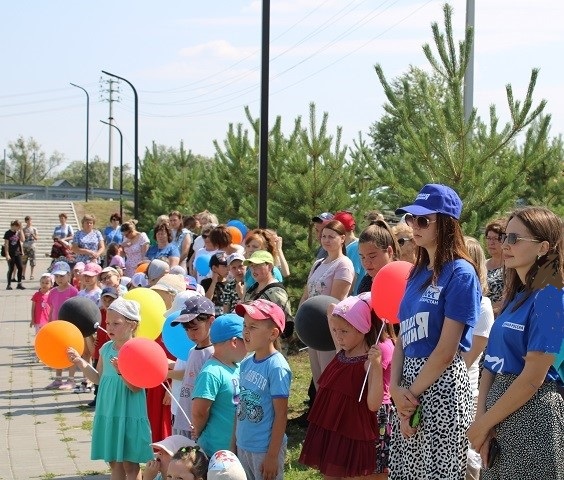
(289, 328)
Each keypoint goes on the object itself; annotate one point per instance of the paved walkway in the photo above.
(45, 433)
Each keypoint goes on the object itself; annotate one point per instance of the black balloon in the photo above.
(81, 312)
(312, 325)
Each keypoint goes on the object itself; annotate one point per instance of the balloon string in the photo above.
(369, 365)
(100, 328)
(177, 404)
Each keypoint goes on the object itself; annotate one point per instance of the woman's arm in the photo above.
(101, 248)
(520, 392)
(7, 249)
(441, 357)
(185, 247)
(283, 264)
(478, 346)
(340, 289)
(173, 261)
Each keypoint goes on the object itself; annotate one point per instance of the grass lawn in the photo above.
(301, 375)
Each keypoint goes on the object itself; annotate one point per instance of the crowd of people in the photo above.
(452, 391)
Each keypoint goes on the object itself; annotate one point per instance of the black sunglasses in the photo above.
(421, 221)
(402, 241)
(512, 238)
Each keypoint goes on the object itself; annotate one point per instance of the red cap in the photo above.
(347, 219)
(263, 310)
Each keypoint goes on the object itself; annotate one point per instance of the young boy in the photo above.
(235, 286)
(215, 285)
(196, 319)
(265, 379)
(216, 392)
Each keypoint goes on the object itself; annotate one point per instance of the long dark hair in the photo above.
(544, 226)
(450, 247)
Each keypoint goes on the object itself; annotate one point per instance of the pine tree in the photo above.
(435, 144)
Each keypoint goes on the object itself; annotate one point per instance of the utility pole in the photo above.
(111, 99)
(5, 173)
(469, 75)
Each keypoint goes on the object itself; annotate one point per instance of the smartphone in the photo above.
(415, 418)
(493, 452)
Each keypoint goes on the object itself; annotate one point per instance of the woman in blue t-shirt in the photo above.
(437, 314)
(519, 410)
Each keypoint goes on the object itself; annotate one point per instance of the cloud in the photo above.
(221, 49)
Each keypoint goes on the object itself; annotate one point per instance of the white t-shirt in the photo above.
(482, 329)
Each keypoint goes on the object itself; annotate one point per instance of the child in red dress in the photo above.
(342, 433)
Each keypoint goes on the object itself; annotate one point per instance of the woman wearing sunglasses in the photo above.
(429, 384)
(494, 264)
(518, 389)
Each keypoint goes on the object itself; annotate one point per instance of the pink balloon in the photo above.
(143, 362)
(388, 287)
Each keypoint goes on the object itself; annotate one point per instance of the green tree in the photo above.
(435, 144)
(74, 173)
(27, 164)
(169, 181)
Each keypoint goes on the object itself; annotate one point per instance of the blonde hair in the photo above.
(477, 254)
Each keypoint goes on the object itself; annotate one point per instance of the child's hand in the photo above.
(375, 355)
(114, 362)
(151, 469)
(269, 467)
(166, 399)
(74, 357)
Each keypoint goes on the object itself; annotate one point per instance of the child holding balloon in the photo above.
(343, 428)
(121, 434)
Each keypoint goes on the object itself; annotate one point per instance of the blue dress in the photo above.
(121, 430)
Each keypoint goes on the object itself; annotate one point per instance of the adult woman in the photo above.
(113, 233)
(518, 389)
(377, 247)
(440, 306)
(63, 232)
(135, 245)
(181, 236)
(164, 249)
(494, 264)
(13, 250)
(30, 237)
(266, 286)
(332, 275)
(404, 236)
(260, 239)
(88, 243)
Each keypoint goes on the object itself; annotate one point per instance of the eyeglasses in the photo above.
(512, 238)
(105, 278)
(421, 221)
(402, 241)
(496, 239)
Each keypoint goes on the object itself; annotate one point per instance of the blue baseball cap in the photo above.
(323, 217)
(434, 198)
(225, 327)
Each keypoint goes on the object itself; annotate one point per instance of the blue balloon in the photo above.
(238, 224)
(175, 338)
(202, 264)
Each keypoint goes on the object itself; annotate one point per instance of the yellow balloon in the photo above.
(152, 312)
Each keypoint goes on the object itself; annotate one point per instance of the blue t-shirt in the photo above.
(250, 281)
(261, 381)
(536, 326)
(456, 295)
(220, 384)
(169, 250)
(113, 235)
(352, 253)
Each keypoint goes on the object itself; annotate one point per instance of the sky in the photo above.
(196, 65)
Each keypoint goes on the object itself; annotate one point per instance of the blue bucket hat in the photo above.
(434, 198)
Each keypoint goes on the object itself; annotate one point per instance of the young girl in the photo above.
(264, 380)
(121, 434)
(40, 309)
(57, 296)
(342, 430)
(189, 463)
(438, 311)
(196, 324)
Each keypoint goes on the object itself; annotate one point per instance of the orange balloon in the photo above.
(52, 341)
(142, 267)
(236, 235)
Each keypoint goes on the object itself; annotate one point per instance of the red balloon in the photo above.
(143, 362)
(388, 287)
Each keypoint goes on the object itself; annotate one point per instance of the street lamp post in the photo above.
(263, 137)
(120, 167)
(136, 146)
(87, 130)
